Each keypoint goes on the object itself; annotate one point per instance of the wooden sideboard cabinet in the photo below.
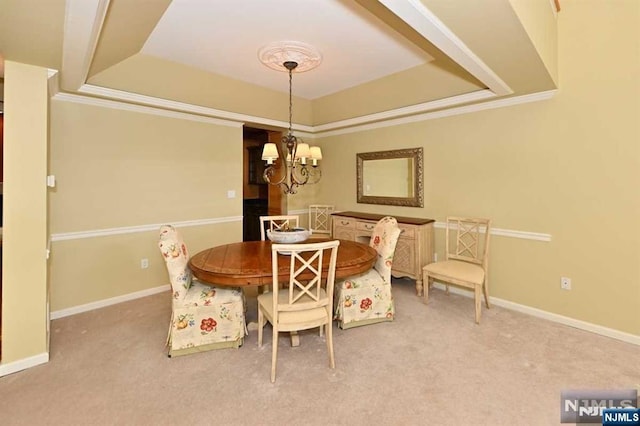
(415, 245)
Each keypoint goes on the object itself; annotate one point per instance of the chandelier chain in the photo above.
(290, 99)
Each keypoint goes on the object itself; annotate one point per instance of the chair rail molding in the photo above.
(525, 235)
(140, 228)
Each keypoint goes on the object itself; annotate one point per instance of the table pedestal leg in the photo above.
(295, 339)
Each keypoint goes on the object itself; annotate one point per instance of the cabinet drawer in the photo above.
(365, 226)
(344, 222)
(407, 231)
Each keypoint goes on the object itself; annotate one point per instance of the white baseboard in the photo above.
(108, 302)
(23, 364)
(561, 319)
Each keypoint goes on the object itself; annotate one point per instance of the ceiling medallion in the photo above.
(275, 54)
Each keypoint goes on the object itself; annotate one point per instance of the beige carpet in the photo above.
(433, 366)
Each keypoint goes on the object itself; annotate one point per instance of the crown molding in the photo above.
(467, 109)
(129, 97)
(407, 111)
(107, 103)
(118, 99)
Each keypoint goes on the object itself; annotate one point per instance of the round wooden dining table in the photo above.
(248, 263)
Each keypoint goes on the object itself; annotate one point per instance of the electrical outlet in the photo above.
(565, 283)
(435, 257)
(144, 263)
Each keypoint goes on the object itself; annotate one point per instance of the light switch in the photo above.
(231, 194)
(51, 181)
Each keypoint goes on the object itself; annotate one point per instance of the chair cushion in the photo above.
(457, 270)
(205, 295)
(308, 315)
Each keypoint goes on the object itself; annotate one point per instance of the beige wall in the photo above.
(24, 265)
(568, 167)
(119, 168)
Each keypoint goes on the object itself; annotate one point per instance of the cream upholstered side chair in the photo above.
(276, 223)
(320, 220)
(467, 259)
(203, 317)
(304, 302)
(366, 298)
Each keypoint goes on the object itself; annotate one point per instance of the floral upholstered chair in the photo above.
(366, 298)
(203, 317)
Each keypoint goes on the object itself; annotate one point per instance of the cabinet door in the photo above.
(344, 233)
(404, 262)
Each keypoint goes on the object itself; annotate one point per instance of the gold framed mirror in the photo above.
(391, 178)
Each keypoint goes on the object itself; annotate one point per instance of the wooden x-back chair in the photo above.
(304, 302)
(277, 223)
(320, 220)
(467, 259)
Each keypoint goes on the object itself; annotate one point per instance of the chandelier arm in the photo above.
(269, 173)
(303, 173)
(316, 173)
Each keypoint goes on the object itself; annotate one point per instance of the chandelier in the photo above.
(300, 165)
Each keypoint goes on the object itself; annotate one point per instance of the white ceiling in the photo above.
(204, 34)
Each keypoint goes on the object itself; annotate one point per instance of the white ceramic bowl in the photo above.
(298, 235)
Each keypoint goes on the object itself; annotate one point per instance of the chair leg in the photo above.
(274, 354)
(478, 300)
(426, 284)
(485, 288)
(332, 361)
(260, 326)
